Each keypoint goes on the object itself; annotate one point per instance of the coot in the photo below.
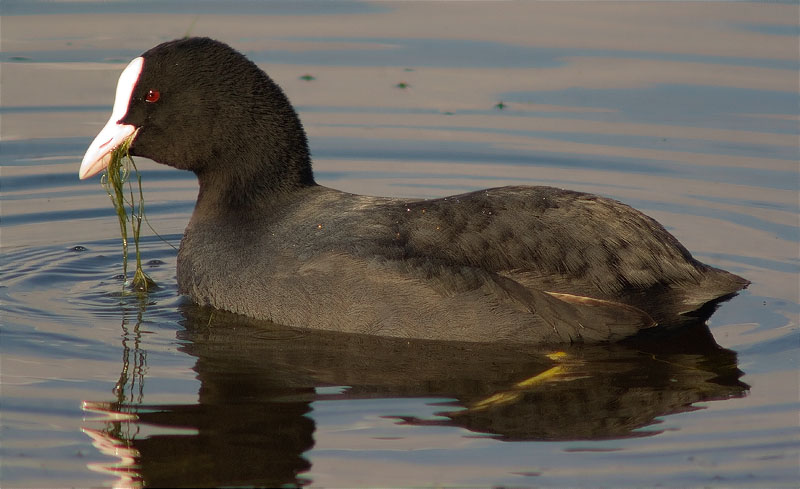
(532, 264)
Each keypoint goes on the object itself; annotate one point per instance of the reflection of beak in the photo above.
(125, 470)
(99, 153)
(125, 465)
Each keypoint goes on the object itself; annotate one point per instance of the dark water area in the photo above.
(686, 111)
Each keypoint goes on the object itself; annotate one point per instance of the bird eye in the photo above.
(152, 96)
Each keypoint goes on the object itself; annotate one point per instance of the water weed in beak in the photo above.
(117, 174)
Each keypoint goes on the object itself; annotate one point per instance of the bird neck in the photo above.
(272, 163)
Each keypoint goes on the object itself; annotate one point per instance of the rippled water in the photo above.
(688, 111)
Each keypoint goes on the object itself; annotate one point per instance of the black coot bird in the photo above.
(532, 264)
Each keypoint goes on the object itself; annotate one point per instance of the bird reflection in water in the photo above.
(250, 425)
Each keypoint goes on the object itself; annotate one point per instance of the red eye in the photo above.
(152, 96)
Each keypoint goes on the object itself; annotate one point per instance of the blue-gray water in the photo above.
(687, 111)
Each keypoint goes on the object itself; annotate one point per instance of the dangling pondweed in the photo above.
(117, 174)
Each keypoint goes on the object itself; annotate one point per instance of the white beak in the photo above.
(99, 153)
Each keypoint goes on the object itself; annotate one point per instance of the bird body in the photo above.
(532, 264)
